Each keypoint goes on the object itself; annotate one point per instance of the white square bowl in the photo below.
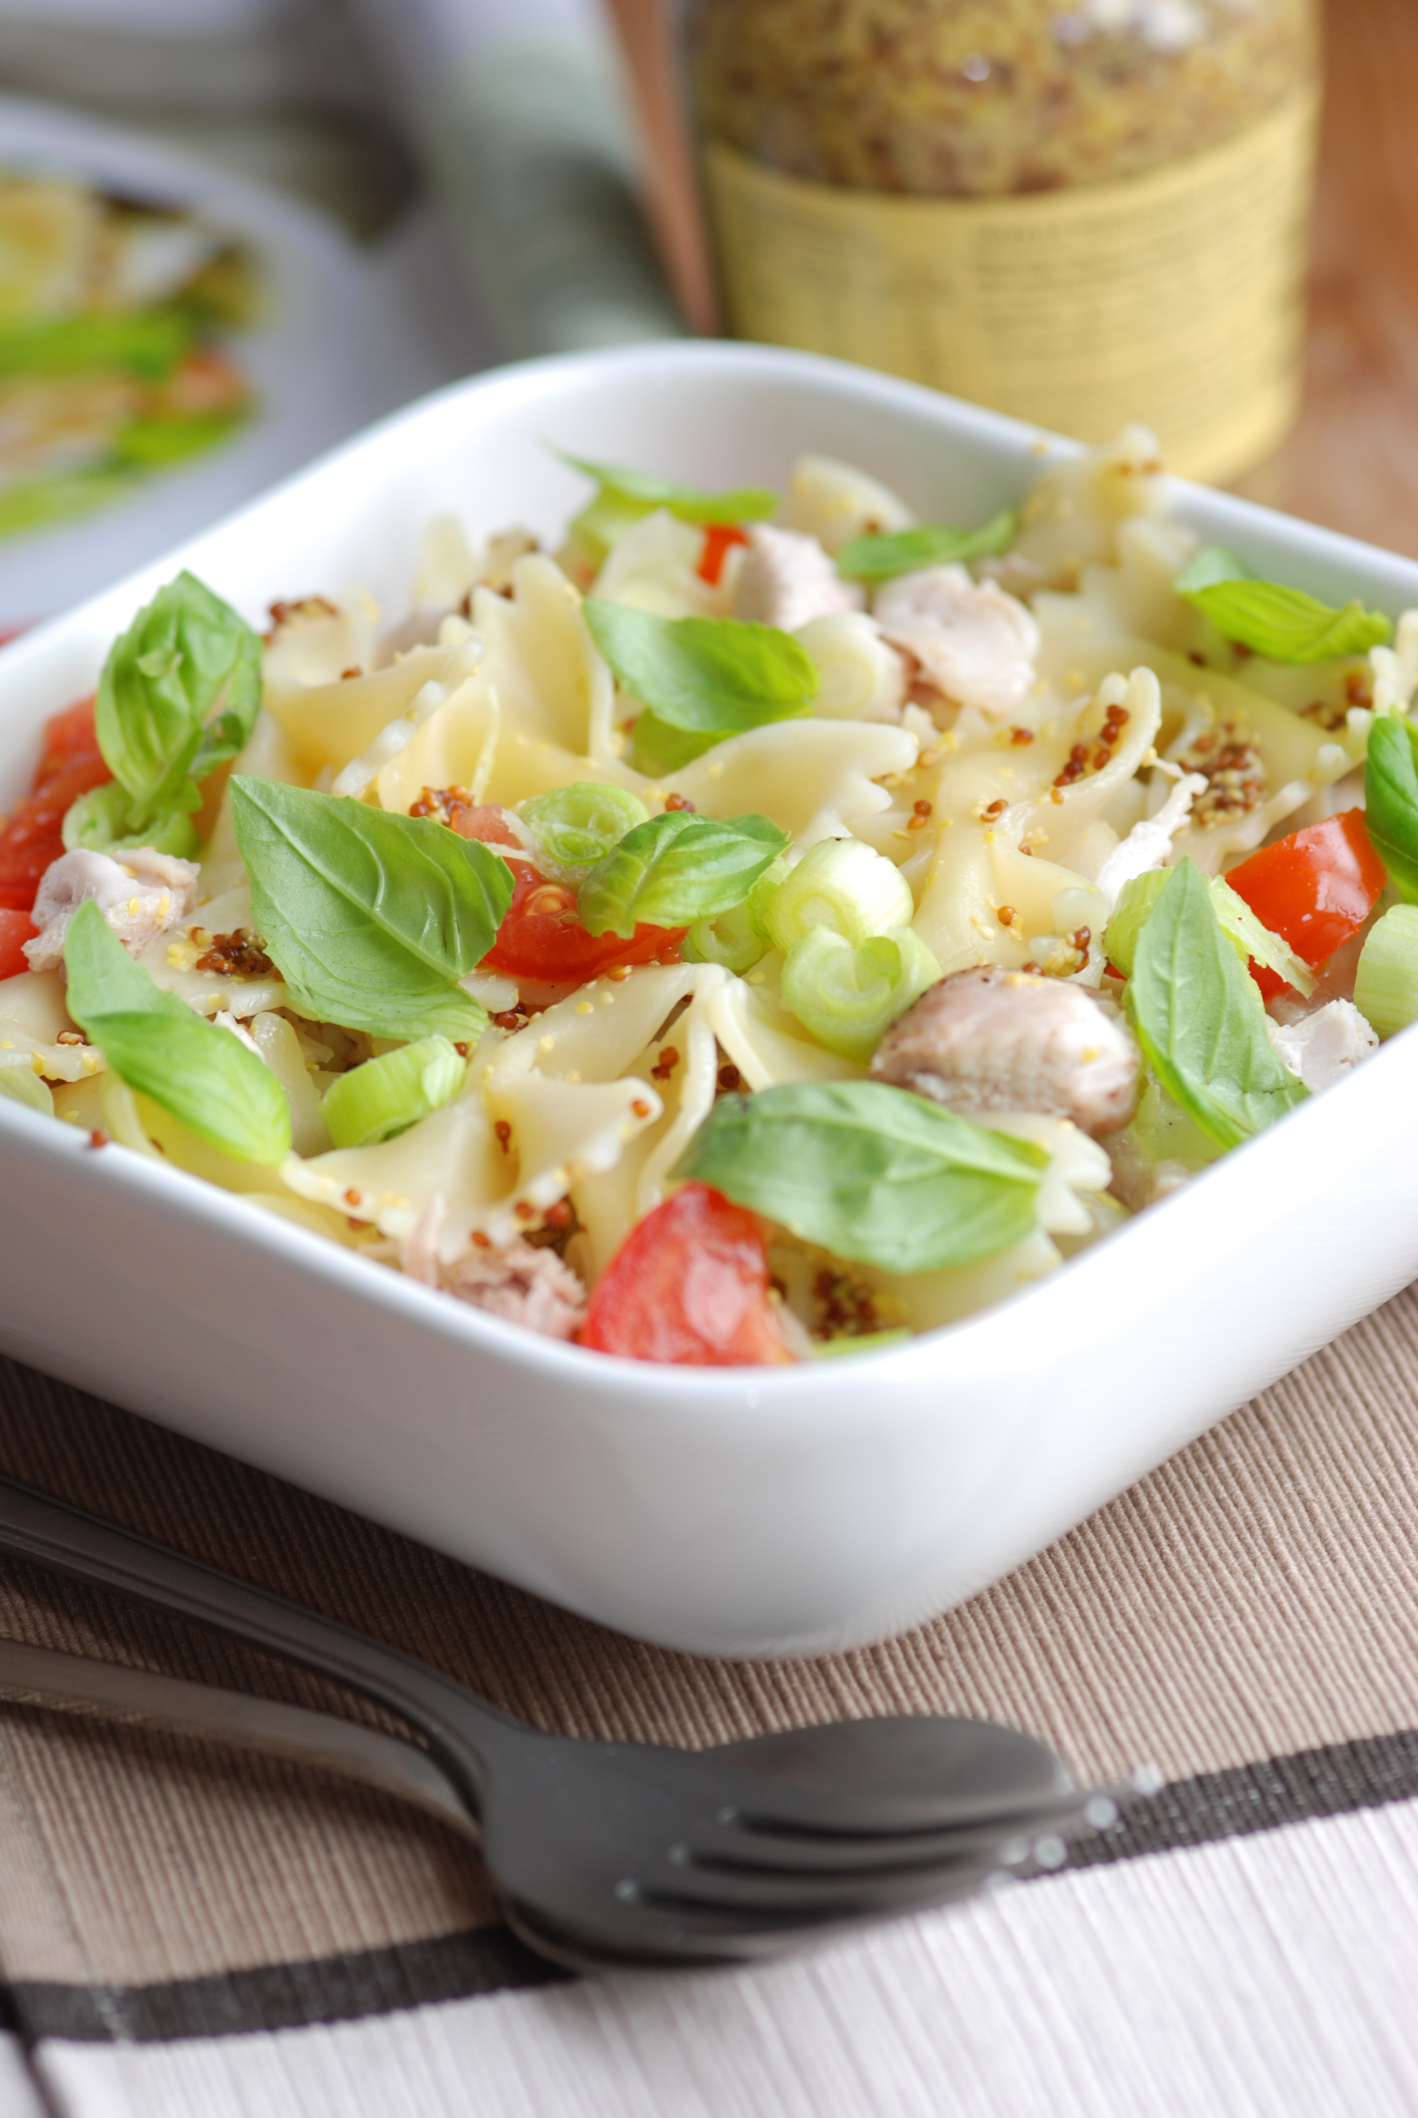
(738, 1512)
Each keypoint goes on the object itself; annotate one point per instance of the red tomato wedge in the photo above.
(719, 540)
(689, 1285)
(541, 937)
(31, 837)
(1314, 889)
(16, 928)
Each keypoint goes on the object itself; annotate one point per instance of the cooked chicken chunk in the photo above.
(974, 643)
(1324, 1046)
(140, 893)
(994, 1040)
(787, 580)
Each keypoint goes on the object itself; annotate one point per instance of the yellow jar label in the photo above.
(1174, 298)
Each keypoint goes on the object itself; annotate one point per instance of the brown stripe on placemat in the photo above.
(1184, 1814)
(1252, 1599)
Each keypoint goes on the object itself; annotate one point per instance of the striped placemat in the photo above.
(185, 1930)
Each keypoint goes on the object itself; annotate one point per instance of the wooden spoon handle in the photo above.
(646, 36)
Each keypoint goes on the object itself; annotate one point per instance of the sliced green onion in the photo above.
(731, 940)
(864, 1342)
(23, 1085)
(386, 1096)
(848, 997)
(576, 826)
(845, 886)
(1386, 985)
(738, 939)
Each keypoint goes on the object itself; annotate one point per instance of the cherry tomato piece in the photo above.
(454, 806)
(1314, 889)
(33, 835)
(541, 936)
(67, 736)
(719, 540)
(541, 939)
(689, 1285)
(30, 838)
(16, 928)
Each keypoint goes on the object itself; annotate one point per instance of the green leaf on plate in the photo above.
(1391, 799)
(185, 655)
(750, 503)
(870, 1172)
(705, 676)
(1198, 1015)
(678, 868)
(1286, 625)
(372, 918)
(881, 557)
(204, 1076)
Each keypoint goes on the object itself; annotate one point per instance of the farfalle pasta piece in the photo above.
(817, 779)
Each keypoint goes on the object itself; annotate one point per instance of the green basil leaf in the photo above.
(657, 749)
(708, 676)
(882, 557)
(1213, 563)
(206, 1078)
(677, 868)
(105, 820)
(1198, 1016)
(1391, 799)
(870, 1172)
(1286, 625)
(372, 918)
(182, 654)
(751, 503)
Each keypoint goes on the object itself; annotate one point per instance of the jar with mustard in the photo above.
(1081, 214)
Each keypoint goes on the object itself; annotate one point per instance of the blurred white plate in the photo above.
(330, 352)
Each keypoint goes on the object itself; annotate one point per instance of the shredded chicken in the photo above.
(518, 1281)
(787, 580)
(989, 1039)
(141, 893)
(1321, 1048)
(975, 644)
(1149, 843)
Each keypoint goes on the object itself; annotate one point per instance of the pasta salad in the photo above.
(765, 927)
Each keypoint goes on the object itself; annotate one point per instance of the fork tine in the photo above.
(1004, 1812)
(786, 1856)
(781, 1902)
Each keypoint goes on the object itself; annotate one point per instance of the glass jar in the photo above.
(1083, 215)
